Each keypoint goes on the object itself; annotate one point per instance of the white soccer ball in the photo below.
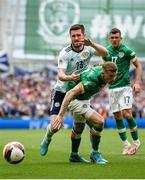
(14, 152)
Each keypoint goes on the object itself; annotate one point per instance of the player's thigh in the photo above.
(52, 118)
(95, 118)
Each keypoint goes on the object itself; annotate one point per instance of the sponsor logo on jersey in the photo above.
(57, 104)
(121, 54)
(85, 54)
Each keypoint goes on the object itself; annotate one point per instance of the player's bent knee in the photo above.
(127, 115)
(97, 129)
(117, 115)
(101, 122)
(79, 127)
(94, 132)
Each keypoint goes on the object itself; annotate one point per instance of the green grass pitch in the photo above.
(55, 164)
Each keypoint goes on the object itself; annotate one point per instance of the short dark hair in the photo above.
(114, 31)
(76, 27)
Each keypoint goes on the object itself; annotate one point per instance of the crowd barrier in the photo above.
(35, 123)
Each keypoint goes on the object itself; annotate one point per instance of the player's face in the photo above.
(115, 39)
(77, 38)
(110, 77)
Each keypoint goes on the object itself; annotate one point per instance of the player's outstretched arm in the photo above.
(100, 50)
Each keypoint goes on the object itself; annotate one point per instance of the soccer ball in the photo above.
(14, 152)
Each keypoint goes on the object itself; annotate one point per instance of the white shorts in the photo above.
(81, 110)
(120, 98)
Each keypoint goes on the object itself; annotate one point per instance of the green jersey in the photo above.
(92, 82)
(122, 56)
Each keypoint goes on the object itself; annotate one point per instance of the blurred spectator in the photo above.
(29, 96)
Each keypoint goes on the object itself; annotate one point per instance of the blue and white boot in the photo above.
(97, 158)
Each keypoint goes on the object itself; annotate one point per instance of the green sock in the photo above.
(95, 141)
(75, 144)
(134, 135)
(121, 129)
(132, 124)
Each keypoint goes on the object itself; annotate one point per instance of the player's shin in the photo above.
(121, 129)
(49, 132)
(133, 128)
(122, 133)
(46, 141)
(75, 140)
(95, 136)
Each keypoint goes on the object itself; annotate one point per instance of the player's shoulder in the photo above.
(128, 51)
(125, 47)
(66, 49)
(109, 47)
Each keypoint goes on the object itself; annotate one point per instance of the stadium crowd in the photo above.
(29, 96)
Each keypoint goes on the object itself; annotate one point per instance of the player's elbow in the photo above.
(106, 52)
(61, 77)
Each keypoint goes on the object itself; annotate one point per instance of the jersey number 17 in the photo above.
(114, 59)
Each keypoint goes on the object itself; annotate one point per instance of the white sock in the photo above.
(49, 132)
(126, 142)
(137, 141)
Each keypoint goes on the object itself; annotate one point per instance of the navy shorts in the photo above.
(56, 100)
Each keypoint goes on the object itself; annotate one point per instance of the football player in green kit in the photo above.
(120, 91)
(77, 99)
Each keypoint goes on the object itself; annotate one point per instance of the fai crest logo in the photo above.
(55, 19)
(121, 54)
